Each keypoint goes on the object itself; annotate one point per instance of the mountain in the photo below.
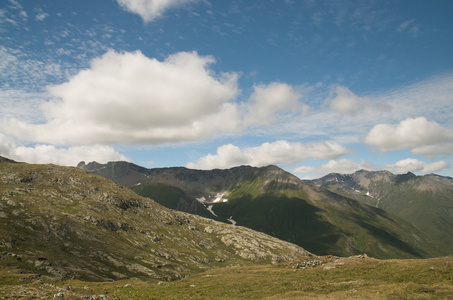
(278, 203)
(68, 223)
(426, 201)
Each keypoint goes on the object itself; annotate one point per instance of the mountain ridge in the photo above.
(278, 203)
(426, 201)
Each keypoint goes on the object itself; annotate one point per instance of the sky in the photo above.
(313, 87)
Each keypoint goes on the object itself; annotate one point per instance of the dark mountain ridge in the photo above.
(195, 182)
(276, 202)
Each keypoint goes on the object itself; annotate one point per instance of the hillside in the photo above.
(275, 202)
(67, 223)
(425, 201)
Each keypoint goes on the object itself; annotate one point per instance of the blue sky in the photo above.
(311, 86)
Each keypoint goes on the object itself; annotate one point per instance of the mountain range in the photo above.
(277, 203)
(425, 201)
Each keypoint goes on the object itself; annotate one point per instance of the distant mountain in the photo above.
(68, 223)
(278, 203)
(426, 201)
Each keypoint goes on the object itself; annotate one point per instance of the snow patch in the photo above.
(209, 203)
(219, 197)
(369, 195)
(211, 211)
(230, 219)
(201, 200)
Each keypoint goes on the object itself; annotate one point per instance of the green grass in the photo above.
(161, 193)
(290, 219)
(336, 278)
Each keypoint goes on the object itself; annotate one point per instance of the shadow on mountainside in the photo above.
(290, 219)
(389, 239)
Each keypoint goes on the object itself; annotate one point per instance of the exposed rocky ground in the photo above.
(67, 223)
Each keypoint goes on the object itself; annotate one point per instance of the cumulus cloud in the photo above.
(279, 152)
(431, 98)
(343, 166)
(151, 9)
(346, 102)
(418, 134)
(71, 156)
(129, 98)
(432, 151)
(347, 166)
(414, 165)
(266, 101)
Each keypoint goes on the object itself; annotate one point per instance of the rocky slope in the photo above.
(66, 222)
(426, 201)
(273, 201)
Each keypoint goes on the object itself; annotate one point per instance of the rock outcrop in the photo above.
(68, 223)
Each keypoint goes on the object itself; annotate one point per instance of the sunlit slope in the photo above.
(68, 223)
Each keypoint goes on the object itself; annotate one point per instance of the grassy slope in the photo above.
(430, 209)
(329, 224)
(333, 278)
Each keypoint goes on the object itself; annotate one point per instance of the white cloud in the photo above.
(71, 156)
(22, 71)
(419, 135)
(268, 100)
(346, 102)
(431, 98)
(41, 16)
(414, 165)
(348, 166)
(151, 9)
(129, 98)
(343, 166)
(432, 150)
(18, 104)
(279, 152)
